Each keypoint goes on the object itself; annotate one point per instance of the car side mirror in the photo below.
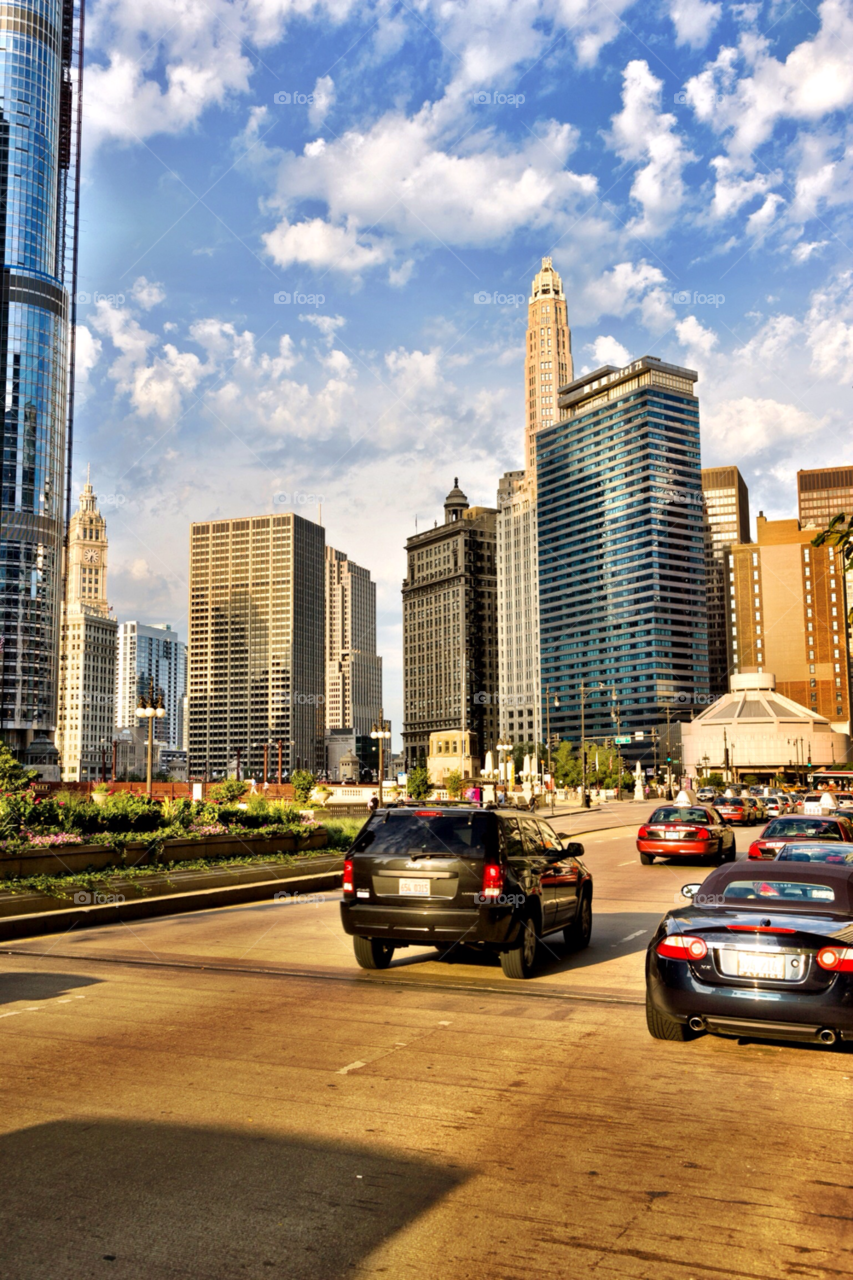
(690, 890)
(572, 849)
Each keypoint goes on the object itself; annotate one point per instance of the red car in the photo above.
(734, 809)
(797, 827)
(696, 831)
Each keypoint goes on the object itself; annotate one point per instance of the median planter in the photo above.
(141, 853)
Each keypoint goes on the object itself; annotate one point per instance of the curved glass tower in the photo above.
(38, 48)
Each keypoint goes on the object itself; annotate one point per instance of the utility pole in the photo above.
(584, 799)
(618, 720)
(668, 755)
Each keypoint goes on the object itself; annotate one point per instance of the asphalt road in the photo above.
(226, 1094)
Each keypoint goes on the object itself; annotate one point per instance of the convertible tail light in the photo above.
(347, 885)
(682, 946)
(643, 833)
(836, 959)
(493, 881)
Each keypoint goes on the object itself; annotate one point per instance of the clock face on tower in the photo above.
(91, 556)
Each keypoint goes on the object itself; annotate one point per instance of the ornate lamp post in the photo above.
(380, 733)
(148, 709)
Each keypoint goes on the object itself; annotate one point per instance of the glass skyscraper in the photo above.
(621, 553)
(39, 70)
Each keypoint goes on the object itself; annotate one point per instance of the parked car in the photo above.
(797, 827)
(439, 876)
(757, 952)
(696, 831)
(735, 809)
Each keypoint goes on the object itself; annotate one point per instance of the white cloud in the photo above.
(323, 246)
(328, 325)
(87, 353)
(147, 293)
(606, 350)
(759, 223)
(628, 287)
(829, 325)
(640, 131)
(732, 190)
(694, 20)
(698, 340)
(324, 100)
(745, 426)
(805, 249)
(399, 276)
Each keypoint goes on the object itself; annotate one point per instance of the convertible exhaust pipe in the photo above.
(827, 1036)
(698, 1024)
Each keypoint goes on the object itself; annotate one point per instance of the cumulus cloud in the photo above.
(147, 293)
(698, 340)
(746, 426)
(629, 287)
(642, 132)
(606, 350)
(829, 326)
(694, 20)
(324, 246)
(323, 101)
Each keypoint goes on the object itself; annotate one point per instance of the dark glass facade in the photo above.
(621, 553)
(35, 124)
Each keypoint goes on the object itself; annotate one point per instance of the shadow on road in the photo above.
(39, 986)
(135, 1199)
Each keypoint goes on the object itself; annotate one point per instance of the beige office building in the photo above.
(87, 659)
(256, 645)
(787, 604)
(726, 501)
(520, 709)
(823, 494)
(450, 635)
(353, 667)
(548, 355)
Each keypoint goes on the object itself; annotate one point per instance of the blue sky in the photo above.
(290, 208)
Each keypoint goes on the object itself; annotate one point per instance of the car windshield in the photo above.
(777, 891)
(803, 828)
(673, 814)
(816, 853)
(404, 831)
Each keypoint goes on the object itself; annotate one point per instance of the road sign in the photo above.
(622, 740)
(639, 735)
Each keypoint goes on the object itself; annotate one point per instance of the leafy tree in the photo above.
(750, 780)
(303, 785)
(840, 535)
(454, 783)
(227, 792)
(419, 785)
(13, 775)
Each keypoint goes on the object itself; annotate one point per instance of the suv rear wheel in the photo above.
(578, 934)
(373, 953)
(519, 962)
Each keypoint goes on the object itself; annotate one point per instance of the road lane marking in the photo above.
(629, 863)
(631, 936)
(353, 1066)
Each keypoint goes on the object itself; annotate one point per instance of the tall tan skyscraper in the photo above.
(726, 504)
(353, 667)
(256, 660)
(548, 358)
(824, 493)
(520, 717)
(87, 660)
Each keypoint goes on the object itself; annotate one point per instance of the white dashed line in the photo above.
(353, 1066)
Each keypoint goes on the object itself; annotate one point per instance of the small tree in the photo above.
(454, 783)
(419, 786)
(227, 792)
(303, 785)
(13, 775)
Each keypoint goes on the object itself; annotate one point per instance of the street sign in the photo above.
(639, 735)
(622, 740)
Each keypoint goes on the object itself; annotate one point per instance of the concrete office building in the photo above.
(520, 710)
(256, 644)
(450, 640)
(152, 658)
(823, 494)
(726, 503)
(548, 355)
(87, 660)
(353, 667)
(40, 54)
(622, 552)
(788, 612)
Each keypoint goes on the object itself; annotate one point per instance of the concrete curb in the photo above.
(61, 920)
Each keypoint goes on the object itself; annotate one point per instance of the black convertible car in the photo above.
(761, 950)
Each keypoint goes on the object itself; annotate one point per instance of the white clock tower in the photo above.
(88, 648)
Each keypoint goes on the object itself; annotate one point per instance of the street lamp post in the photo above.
(148, 709)
(380, 733)
(584, 796)
(548, 732)
(502, 748)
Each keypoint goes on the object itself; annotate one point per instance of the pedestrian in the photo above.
(372, 804)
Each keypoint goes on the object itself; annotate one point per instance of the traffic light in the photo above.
(669, 759)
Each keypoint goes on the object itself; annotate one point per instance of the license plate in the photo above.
(674, 835)
(415, 888)
(750, 965)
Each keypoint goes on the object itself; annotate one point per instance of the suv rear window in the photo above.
(404, 831)
(803, 829)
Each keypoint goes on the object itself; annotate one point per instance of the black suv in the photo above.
(435, 876)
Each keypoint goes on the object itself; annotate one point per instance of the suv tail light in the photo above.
(347, 886)
(836, 959)
(682, 946)
(493, 881)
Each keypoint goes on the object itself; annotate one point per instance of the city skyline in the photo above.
(674, 229)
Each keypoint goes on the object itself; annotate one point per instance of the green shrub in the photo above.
(227, 792)
(419, 786)
(303, 784)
